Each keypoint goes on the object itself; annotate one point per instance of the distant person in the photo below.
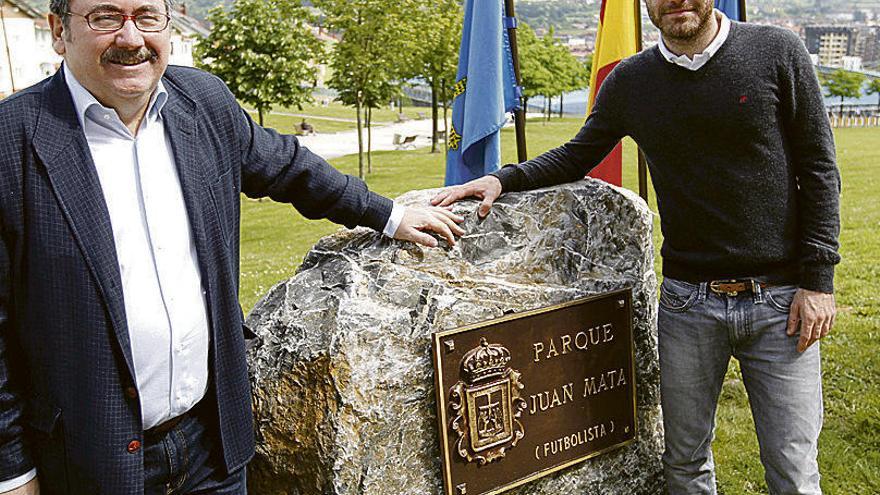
(122, 342)
(733, 125)
(307, 129)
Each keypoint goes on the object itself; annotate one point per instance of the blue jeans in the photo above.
(699, 331)
(186, 460)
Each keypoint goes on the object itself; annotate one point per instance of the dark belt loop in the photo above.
(702, 291)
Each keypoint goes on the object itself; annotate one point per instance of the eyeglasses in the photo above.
(106, 22)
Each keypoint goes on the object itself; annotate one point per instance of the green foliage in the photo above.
(536, 75)
(843, 84)
(264, 51)
(435, 51)
(371, 59)
(873, 88)
(548, 68)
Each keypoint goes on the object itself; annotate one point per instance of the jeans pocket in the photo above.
(677, 296)
(780, 298)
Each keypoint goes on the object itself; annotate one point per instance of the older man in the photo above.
(122, 363)
(732, 122)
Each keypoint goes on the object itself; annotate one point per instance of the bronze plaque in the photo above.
(529, 394)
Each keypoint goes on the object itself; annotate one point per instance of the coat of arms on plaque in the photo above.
(486, 404)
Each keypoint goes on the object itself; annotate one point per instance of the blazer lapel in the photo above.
(179, 116)
(61, 145)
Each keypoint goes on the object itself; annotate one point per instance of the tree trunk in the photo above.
(445, 118)
(434, 115)
(260, 115)
(560, 104)
(547, 111)
(369, 140)
(360, 126)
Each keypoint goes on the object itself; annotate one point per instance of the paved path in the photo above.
(333, 145)
(346, 143)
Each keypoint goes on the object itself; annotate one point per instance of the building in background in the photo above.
(26, 54)
(848, 47)
(185, 33)
(831, 43)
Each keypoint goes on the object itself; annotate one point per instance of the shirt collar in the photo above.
(699, 59)
(83, 100)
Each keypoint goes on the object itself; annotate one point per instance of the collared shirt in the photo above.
(164, 300)
(700, 59)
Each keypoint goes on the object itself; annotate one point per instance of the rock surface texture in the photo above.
(343, 379)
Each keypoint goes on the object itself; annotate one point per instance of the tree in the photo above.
(843, 84)
(574, 75)
(533, 62)
(435, 47)
(367, 62)
(265, 52)
(874, 89)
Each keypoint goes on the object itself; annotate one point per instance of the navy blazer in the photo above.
(67, 402)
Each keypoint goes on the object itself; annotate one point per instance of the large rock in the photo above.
(343, 382)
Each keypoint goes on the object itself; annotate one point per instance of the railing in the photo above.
(838, 121)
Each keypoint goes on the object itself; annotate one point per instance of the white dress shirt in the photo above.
(161, 283)
(699, 59)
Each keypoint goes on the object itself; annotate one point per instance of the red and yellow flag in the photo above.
(616, 39)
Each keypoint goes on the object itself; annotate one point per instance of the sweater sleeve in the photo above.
(574, 159)
(811, 147)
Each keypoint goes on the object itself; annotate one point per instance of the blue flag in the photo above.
(730, 9)
(485, 90)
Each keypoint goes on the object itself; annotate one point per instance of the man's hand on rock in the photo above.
(487, 188)
(419, 220)
(815, 311)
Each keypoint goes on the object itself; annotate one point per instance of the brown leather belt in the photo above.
(735, 286)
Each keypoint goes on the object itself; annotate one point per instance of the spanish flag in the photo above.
(616, 39)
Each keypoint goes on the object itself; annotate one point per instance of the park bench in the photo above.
(402, 142)
(401, 117)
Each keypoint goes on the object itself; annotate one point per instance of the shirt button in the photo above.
(131, 392)
(106, 117)
(134, 446)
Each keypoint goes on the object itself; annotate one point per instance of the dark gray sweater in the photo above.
(740, 153)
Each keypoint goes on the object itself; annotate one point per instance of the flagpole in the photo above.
(519, 115)
(643, 166)
(742, 11)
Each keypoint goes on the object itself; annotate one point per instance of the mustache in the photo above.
(128, 57)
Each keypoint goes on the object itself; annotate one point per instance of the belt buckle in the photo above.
(715, 286)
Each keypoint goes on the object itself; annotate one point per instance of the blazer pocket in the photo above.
(41, 416)
(223, 194)
(45, 436)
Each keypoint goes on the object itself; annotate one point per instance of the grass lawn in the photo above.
(275, 239)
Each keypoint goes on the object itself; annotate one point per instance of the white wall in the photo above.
(22, 50)
(181, 50)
